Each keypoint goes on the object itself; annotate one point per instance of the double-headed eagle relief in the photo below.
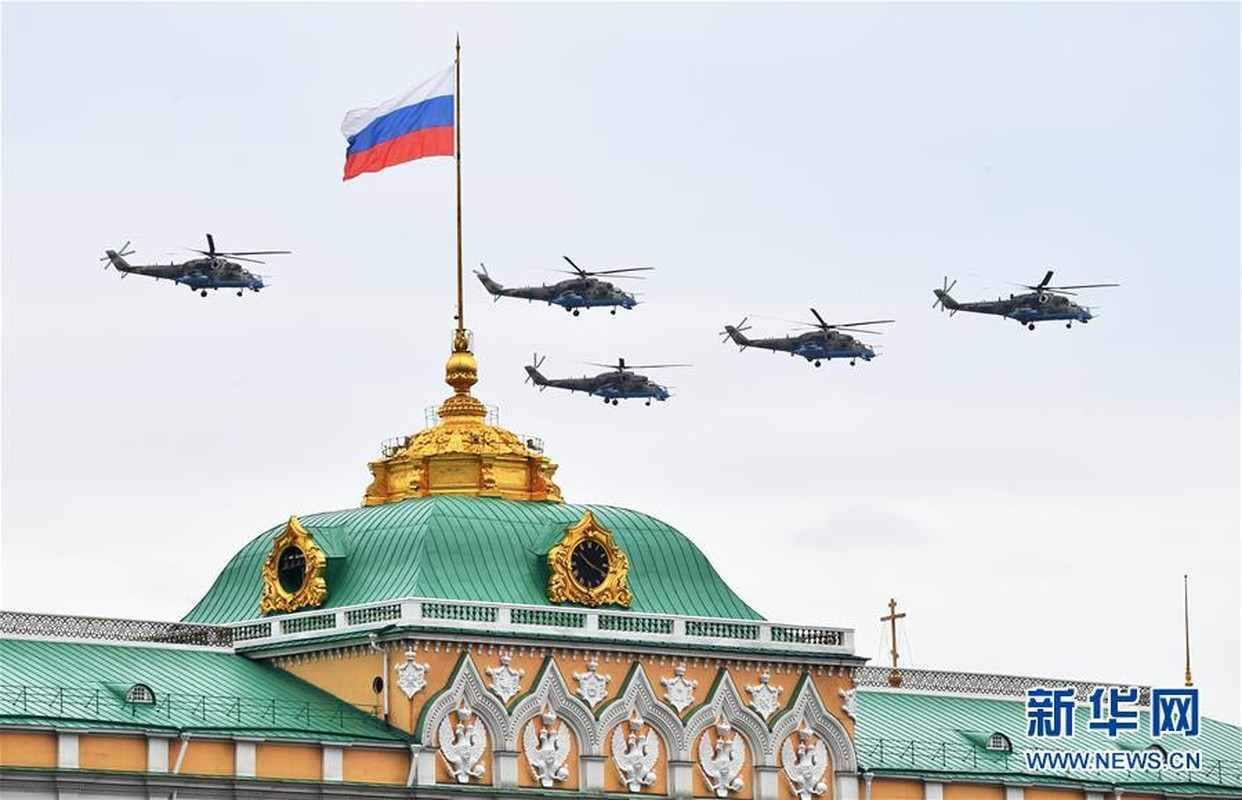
(462, 744)
(805, 767)
(722, 761)
(547, 749)
(635, 753)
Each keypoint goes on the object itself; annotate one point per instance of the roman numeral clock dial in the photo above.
(587, 566)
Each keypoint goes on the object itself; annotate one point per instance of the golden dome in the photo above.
(462, 455)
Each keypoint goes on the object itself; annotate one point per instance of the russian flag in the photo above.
(416, 124)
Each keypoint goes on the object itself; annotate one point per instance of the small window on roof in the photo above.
(140, 693)
(1000, 743)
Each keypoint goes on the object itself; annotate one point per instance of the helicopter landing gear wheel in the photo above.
(575, 312)
(615, 401)
(648, 402)
(202, 293)
(1030, 326)
(239, 292)
(1069, 325)
(613, 312)
(818, 364)
(605, 401)
(852, 362)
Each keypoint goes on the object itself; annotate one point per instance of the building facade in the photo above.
(466, 633)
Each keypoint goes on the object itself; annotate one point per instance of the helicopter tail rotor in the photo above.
(532, 372)
(116, 259)
(943, 300)
(737, 333)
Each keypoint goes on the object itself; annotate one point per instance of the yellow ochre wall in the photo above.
(300, 762)
(203, 757)
(896, 789)
(1035, 793)
(348, 674)
(973, 791)
(376, 766)
(127, 753)
(27, 749)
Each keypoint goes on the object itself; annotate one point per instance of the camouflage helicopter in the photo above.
(1041, 304)
(200, 274)
(583, 290)
(619, 383)
(824, 343)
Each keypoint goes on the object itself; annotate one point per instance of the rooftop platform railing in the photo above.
(936, 680)
(578, 624)
(59, 626)
(893, 754)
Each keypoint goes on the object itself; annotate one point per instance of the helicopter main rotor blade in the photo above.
(867, 322)
(211, 245)
(256, 253)
(1044, 282)
(858, 330)
(620, 271)
(592, 274)
(577, 268)
(239, 258)
(1081, 286)
(821, 319)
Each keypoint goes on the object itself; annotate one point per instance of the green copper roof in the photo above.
(942, 737)
(84, 686)
(482, 549)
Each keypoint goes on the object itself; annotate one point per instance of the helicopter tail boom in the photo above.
(117, 260)
(493, 288)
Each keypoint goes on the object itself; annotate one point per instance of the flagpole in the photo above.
(461, 321)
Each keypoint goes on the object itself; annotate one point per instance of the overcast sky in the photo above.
(1031, 499)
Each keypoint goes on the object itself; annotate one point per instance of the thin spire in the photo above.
(461, 320)
(1186, 624)
(894, 676)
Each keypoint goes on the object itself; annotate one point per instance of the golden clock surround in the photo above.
(314, 589)
(563, 587)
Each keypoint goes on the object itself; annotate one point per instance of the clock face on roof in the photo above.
(588, 563)
(587, 567)
(293, 573)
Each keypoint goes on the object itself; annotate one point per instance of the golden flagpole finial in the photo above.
(1186, 624)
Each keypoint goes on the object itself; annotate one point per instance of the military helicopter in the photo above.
(619, 383)
(583, 290)
(200, 274)
(1041, 304)
(824, 343)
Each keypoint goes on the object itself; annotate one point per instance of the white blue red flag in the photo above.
(416, 124)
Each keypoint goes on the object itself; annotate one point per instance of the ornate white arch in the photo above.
(725, 701)
(638, 694)
(808, 705)
(550, 689)
(466, 682)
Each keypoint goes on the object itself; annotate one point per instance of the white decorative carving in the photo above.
(722, 761)
(635, 754)
(462, 744)
(678, 691)
(765, 698)
(592, 686)
(849, 702)
(411, 676)
(547, 750)
(805, 768)
(506, 681)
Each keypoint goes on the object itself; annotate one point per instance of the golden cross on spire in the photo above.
(894, 676)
